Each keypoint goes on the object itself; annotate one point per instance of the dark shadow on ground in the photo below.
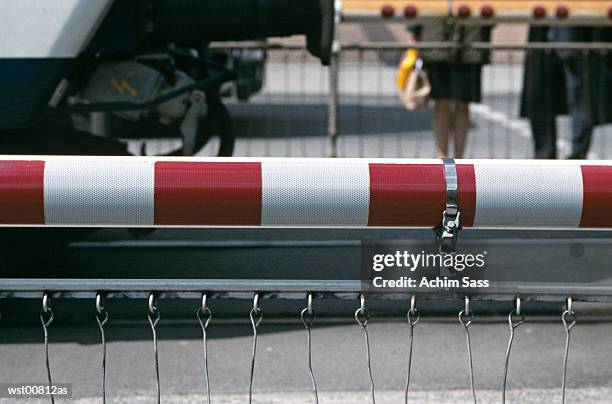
(291, 120)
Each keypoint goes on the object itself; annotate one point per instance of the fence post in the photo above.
(332, 100)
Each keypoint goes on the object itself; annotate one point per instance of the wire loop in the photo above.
(307, 313)
(309, 303)
(154, 316)
(513, 323)
(256, 316)
(47, 311)
(45, 302)
(362, 315)
(516, 317)
(102, 319)
(307, 316)
(413, 314)
(204, 315)
(101, 313)
(517, 306)
(568, 317)
(49, 317)
(466, 316)
(413, 318)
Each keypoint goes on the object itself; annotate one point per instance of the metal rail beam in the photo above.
(374, 46)
(280, 288)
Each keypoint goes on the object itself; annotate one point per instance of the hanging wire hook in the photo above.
(154, 316)
(569, 321)
(515, 319)
(256, 316)
(413, 318)
(102, 319)
(307, 315)
(46, 318)
(466, 316)
(362, 315)
(204, 315)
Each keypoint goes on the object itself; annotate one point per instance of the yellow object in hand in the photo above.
(405, 67)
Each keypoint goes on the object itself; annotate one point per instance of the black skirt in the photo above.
(455, 81)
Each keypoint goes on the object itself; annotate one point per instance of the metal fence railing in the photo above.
(352, 108)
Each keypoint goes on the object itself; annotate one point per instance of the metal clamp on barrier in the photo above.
(447, 233)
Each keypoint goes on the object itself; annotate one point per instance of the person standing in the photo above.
(600, 77)
(455, 77)
(575, 82)
(578, 82)
(543, 96)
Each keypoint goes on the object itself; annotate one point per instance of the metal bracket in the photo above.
(448, 232)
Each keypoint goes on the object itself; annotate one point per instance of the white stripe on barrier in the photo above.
(528, 194)
(99, 192)
(328, 193)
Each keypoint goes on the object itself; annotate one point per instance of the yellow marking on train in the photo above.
(122, 86)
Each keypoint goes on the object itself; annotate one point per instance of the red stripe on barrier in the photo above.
(406, 194)
(206, 193)
(597, 196)
(22, 192)
(466, 182)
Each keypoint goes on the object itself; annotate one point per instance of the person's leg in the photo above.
(544, 131)
(582, 131)
(441, 126)
(461, 126)
(582, 126)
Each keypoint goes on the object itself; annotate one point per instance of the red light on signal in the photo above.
(562, 12)
(464, 11)
(410, 11)
(387, 11)
(539, 12)
(487, 11)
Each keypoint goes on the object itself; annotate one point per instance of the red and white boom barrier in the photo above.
(135, 191)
